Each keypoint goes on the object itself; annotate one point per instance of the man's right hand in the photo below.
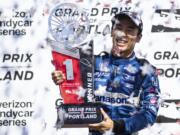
(58, 77)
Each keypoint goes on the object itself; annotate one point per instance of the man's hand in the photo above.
(58, 77)
(103, 126)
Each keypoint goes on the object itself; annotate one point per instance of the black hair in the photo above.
(118, 17)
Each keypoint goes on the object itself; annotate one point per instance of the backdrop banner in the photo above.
(40, 36)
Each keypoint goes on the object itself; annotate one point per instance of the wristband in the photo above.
(119, 126)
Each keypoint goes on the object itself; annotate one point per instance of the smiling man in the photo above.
(126, 86)
(125, 33)
(130, 99)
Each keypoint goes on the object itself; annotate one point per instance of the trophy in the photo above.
(73, 55)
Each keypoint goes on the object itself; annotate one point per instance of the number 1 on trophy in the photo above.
(69, 69)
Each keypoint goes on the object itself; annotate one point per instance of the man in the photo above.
(126, 86)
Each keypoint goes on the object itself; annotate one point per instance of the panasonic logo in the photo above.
(111, 100)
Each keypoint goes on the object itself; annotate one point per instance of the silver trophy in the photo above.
(69, 27)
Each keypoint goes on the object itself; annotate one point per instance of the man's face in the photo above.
(124, 36)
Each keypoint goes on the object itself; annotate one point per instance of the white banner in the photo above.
(28, 94)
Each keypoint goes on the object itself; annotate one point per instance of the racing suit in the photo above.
(128, 89)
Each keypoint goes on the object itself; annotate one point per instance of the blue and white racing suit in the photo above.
(128, 89)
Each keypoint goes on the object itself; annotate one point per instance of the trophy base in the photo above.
(78, 115)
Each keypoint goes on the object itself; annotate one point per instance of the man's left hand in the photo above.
(105, 125)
